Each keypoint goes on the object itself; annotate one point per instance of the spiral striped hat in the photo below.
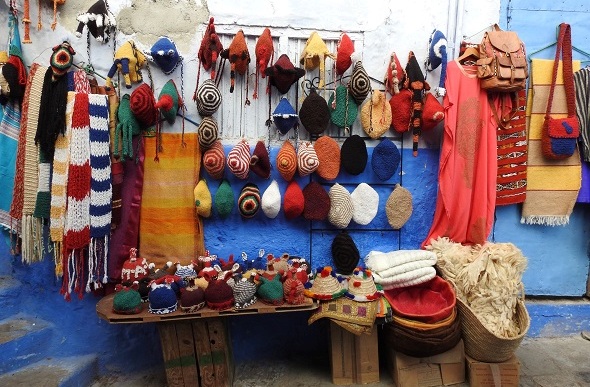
(208, 98)
(214, 160)
(249, 200)
(287, 161)
(244, 293)
(238, 160)
(307, 159)
(360, 84)
(143, 105)
(341, 207)
(208, 132)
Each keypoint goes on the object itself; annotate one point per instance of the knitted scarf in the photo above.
(9, 133)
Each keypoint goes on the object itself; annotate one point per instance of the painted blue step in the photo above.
(75, 371)
(9, 291)
(23, 339)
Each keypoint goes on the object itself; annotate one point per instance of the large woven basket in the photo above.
(485, 346)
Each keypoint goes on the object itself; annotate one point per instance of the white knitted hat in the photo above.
(271, 200)
(365, 202)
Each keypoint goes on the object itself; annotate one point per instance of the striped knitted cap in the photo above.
(208, 98)
(208, 132)
(214, 160)
(359, 84)
(259, 162)
(361, 286)
(326, 285)
(61, 59)
(287, 161)
(314, 113)
(353, 155)
(293, 291)
(224, 199)
(328, 152)
(343, 108)
(345, 253)
(385, 159)
(341, 208)
(271, 200)
(244, 293)
(143, 105)
(316, 204)
(398, 207)
(294, 201)
(307, 159)
(238, 160)
(249, 200)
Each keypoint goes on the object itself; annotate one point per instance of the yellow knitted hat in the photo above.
(314, 54)
(203, 200)
(376, 115)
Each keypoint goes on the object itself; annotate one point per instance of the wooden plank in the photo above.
(366, 358)
(203, 352)
(341, 355)
(171, 354)
(186, 349)
(220, 352)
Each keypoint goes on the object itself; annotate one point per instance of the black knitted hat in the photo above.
(345, 253)
(353, 155)
(314, 113)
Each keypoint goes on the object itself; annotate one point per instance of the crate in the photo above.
(353, 359)
(197, 353)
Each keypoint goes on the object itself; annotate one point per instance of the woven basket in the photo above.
(485, 346)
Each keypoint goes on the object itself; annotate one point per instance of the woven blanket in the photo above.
(552, 185)
(9, 130)
(168, 225)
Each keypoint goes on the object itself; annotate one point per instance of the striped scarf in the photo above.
(9, 133)
(582, 82)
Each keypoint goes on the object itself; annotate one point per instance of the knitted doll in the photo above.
(99, 20)
(127, 127)
(128, 60)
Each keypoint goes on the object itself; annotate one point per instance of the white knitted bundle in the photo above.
(401, 268)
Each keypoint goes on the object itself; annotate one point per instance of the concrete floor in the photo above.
(545, 362)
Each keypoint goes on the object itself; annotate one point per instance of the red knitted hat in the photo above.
(238, 160)
(401, 110)
(287, 161)
(293, 290)
(259, 162)
(395, 75)
(238, 56)
(219, 295)
(214, 160)
(293, 203)
(143, 105)
(316, 202)
(210, 48)
(264, 52)
(432, 112)
(283, 74)
(344, 50)
(328, 152)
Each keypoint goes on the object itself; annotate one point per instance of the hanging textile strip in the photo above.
(9, 133)
(582, 83)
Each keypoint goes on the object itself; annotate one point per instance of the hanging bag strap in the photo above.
(564, 49)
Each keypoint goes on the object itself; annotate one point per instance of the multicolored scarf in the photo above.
(9, 133)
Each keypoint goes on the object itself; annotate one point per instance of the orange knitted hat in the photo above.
(264, 52)
(328, 152)
(294, 201)
(239, 57)
(287, 161)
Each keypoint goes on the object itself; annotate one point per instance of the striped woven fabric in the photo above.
(552, 185)
(9, 132)
(582, 82)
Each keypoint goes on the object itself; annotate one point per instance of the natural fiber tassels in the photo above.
(27, 22)
(32, 239)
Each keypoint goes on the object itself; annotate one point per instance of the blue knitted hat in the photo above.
(385, 159)
(165, 54)
(437, 56)
(284, 116)
(162, 299)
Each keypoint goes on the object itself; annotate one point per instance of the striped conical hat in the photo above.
(208, 98)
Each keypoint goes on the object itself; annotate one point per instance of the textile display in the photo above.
(358, 316)
(9, 132)
(168, 223)
(552, 185)
(581, 84)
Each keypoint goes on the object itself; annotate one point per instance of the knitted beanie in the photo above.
(270, 292)
(432, 112)
(214, 160)
(359, 84)
(169, 101)
(328, 152)
(238, 55)
(376, 115)
(343, 108)
(219, 295)
(341, 207)
(192, 299)
(398, 207)
(385, 159)
(314, 55)
(283, 74)
(401, 110)
(208, 132)
(307, 159)
(395, 75)
(314, 113)
(293, 291)
(271, 200)
(264, 51)
(165, 54)
(224, 199)
(162, 299)
(143, 105)
(127, 300)
(61, 59)
(210, 48)
(353, 155)
(345, 254)
(287, 161)
(365, 204)
(208, 98)
(244, 293)
(249, 200)
(203, 200)
(316, 204)
(134, 268)
(284, 116)
(437, 56)
(294, 202)
(238, 160)
(344, 50)
(260, 162)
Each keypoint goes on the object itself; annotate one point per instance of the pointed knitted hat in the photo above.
(376, 115)
(314, 55)
(214, 160)
(208, 132)
(359, 84)
(365, 204)
(244, 293)
(283, 74)
(264, 51)
(345, 254)
(271, 200)
(343, 108)
(316, 204)
(293, 290)
(238, 56)
(353, 155)
(287, 161)
(203, 200)
(395, 75)
(238, 160)
(385, 159)
(143, 105)
(271, 291)
(328, 152)
(341, 207)
(437, 56)
(344, 50)
(432, 112)
(249, 200)
(314, 113)
(294, 201)
(307, 159)
(284, 116)
(208, 98)
(398, 207)
(210, 48)
(165, 54)
(224, 199)
(169, 101)
(361, 286)
(260, 162)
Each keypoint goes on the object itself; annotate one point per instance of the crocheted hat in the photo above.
(238, 160)
(127, 300)
(224, 199)
(165, 54)
(328, 152)
(385, 159)
(398, 207)
(203, 200)
(395, 75)
(287, 161)
(284, 116)
(260, 162)
(208, 132)
(365, 204)
(219, 295)
(293, 290)
(401, 110)
(239, 57)
(325, 286)
(271, 200)
(376, 115)
(162, 299)
(264, 51)
(270, 292)
(143, 105)
(307, 159)
(185, 271)
(316, 204)
(61, 59)
(361, 286)
(208, 98)
(214, 160)
(294, 202)
(169, 101)
(244, 293)
(437, 56)
(192, 298)
(345, 254)
(432, 112)
(353, 155)
(359, 84)
(343, 108)
(134, 268)
(314, 55)
(341, 207)
(344, 50)
(314, 113)
(283, 74)
(210, 48)
(249, 200)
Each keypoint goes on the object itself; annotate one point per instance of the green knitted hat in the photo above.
(343, 108)
(224, 199)
(126, 301)
(169, 101)
(271, 291)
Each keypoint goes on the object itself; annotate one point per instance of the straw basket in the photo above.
(485, 346)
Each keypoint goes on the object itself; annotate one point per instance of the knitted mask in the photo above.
(307, 159)
(353, 155)
(129, 61)
(99, 21)
(395, 75)
(165, 54)
(314, 113)
(208, 98)
(210, 49)
(359, 85)
(224, 199)
(437, 56)
(316, 204)
(249, 201)
(214, 160)
(283, 74)
(328, 152)
(385, 159)
(208, 132)
(398, 207)
(401, 110)
(343, 108)
(238, 56)
(271, 200)
(344, 50)
(238, 160)
(376, 115)
(314, 55)
(341, 208)
(287, 161)
(143, 105)
(365, 204)
(259, 162)
(169, 102)
(284, 116)
(264, 51)
(345, 253)
(203, 200)
(294, 202)
(61, 59)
